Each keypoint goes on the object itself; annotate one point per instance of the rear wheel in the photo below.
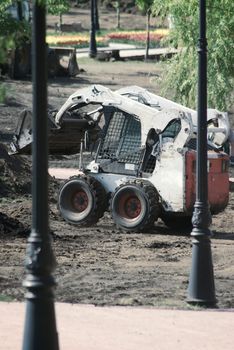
(82, 200)
(134, 206)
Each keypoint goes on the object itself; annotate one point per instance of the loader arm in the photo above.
(217, 122)
(83, 111)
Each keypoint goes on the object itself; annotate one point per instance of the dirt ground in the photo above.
(100, 265)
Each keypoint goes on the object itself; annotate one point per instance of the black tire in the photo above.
(82, 200)
(134, 206)
(177, 222)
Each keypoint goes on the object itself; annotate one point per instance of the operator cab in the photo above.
(120, 149)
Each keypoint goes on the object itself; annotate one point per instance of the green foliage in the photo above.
(4, 4)
(13, 30)
(182, 72)
(144, 5)
(2, 93)
(12, 33)
(58, 7)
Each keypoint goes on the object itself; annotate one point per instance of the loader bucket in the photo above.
(22, 137)
(66, 138)
(62, 139)
(62, 62)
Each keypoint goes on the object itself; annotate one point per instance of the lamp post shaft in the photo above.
(201, 288)
(40, 325)
(92, 43)
(201, 189)
(96, 16)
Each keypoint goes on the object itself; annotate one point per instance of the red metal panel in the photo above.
(218, 180)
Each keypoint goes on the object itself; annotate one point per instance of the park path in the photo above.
(86, 327)
(127, 51)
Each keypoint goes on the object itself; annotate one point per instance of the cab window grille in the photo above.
(110, 142)
(122, 141)
(149, 164)
(130, 144)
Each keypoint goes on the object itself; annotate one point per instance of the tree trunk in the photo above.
(147, 35)
(19, 10)
(60, 22)
(118, 14)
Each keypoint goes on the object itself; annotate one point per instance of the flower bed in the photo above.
(72, 40)
(139, 37)
(157, 34)
(133, 37)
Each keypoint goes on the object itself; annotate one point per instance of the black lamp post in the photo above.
(92, 44)
(40, 324)
(201, 288)
(96, 16)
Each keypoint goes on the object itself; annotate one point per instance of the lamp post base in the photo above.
(201, 290)
(40, 325)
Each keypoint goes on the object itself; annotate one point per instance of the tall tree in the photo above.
(11, 28)
(15, 32)
(58, 8)
(146, 7)
(117, 7)
(181, 75)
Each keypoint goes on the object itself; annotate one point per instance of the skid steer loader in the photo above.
(145, 160)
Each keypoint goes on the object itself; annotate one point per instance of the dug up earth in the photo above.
(100, 265)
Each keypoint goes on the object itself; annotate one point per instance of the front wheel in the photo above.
(134, 206)
(82, 200)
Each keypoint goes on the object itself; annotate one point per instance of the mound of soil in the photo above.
(15, 174)
(9, 225)
(15, 192)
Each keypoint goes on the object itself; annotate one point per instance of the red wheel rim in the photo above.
(132, 207)
(80, 201)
